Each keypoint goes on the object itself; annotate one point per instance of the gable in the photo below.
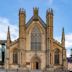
(36, 22)
(33, 25)
(39, 19)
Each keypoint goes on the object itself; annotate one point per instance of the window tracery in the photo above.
(35, 39)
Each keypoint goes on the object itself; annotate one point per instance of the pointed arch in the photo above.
(56, 57)
(35, 39)
(35, 63)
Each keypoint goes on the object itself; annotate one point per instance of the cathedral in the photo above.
(35, 49)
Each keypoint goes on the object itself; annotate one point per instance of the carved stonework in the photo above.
(35, 11)
(35, 49)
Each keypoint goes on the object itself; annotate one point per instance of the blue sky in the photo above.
(62, 16)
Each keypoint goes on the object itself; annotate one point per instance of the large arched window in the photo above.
(56, 56)
(35, 39)
(15, 56)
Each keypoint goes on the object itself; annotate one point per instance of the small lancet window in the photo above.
(15, 56)
(56, 56)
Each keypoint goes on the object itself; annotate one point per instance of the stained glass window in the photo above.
(35, 39)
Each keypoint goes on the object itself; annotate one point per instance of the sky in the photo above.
(62, 10)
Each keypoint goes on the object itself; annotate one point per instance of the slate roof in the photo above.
(38, 19)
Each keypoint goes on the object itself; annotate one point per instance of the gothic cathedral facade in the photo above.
(35, 49)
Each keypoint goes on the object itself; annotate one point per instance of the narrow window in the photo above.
(15, 57)
(56, 57)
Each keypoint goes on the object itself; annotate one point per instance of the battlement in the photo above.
(22, 11)
(49, 11)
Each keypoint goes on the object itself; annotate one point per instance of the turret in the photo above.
(22, 37)
(64, 59)
(63, 38)
(49, 21)
(22, 21)
(8, 38)
(7, 57)
(49, 36)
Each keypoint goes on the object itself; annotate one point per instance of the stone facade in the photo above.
(27, 55)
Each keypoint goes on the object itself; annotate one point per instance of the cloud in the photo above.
(4, 23)
(68, 42)
(68, 54)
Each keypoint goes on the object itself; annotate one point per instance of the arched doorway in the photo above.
(35, 63)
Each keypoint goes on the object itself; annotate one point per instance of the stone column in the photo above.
(48, 53)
